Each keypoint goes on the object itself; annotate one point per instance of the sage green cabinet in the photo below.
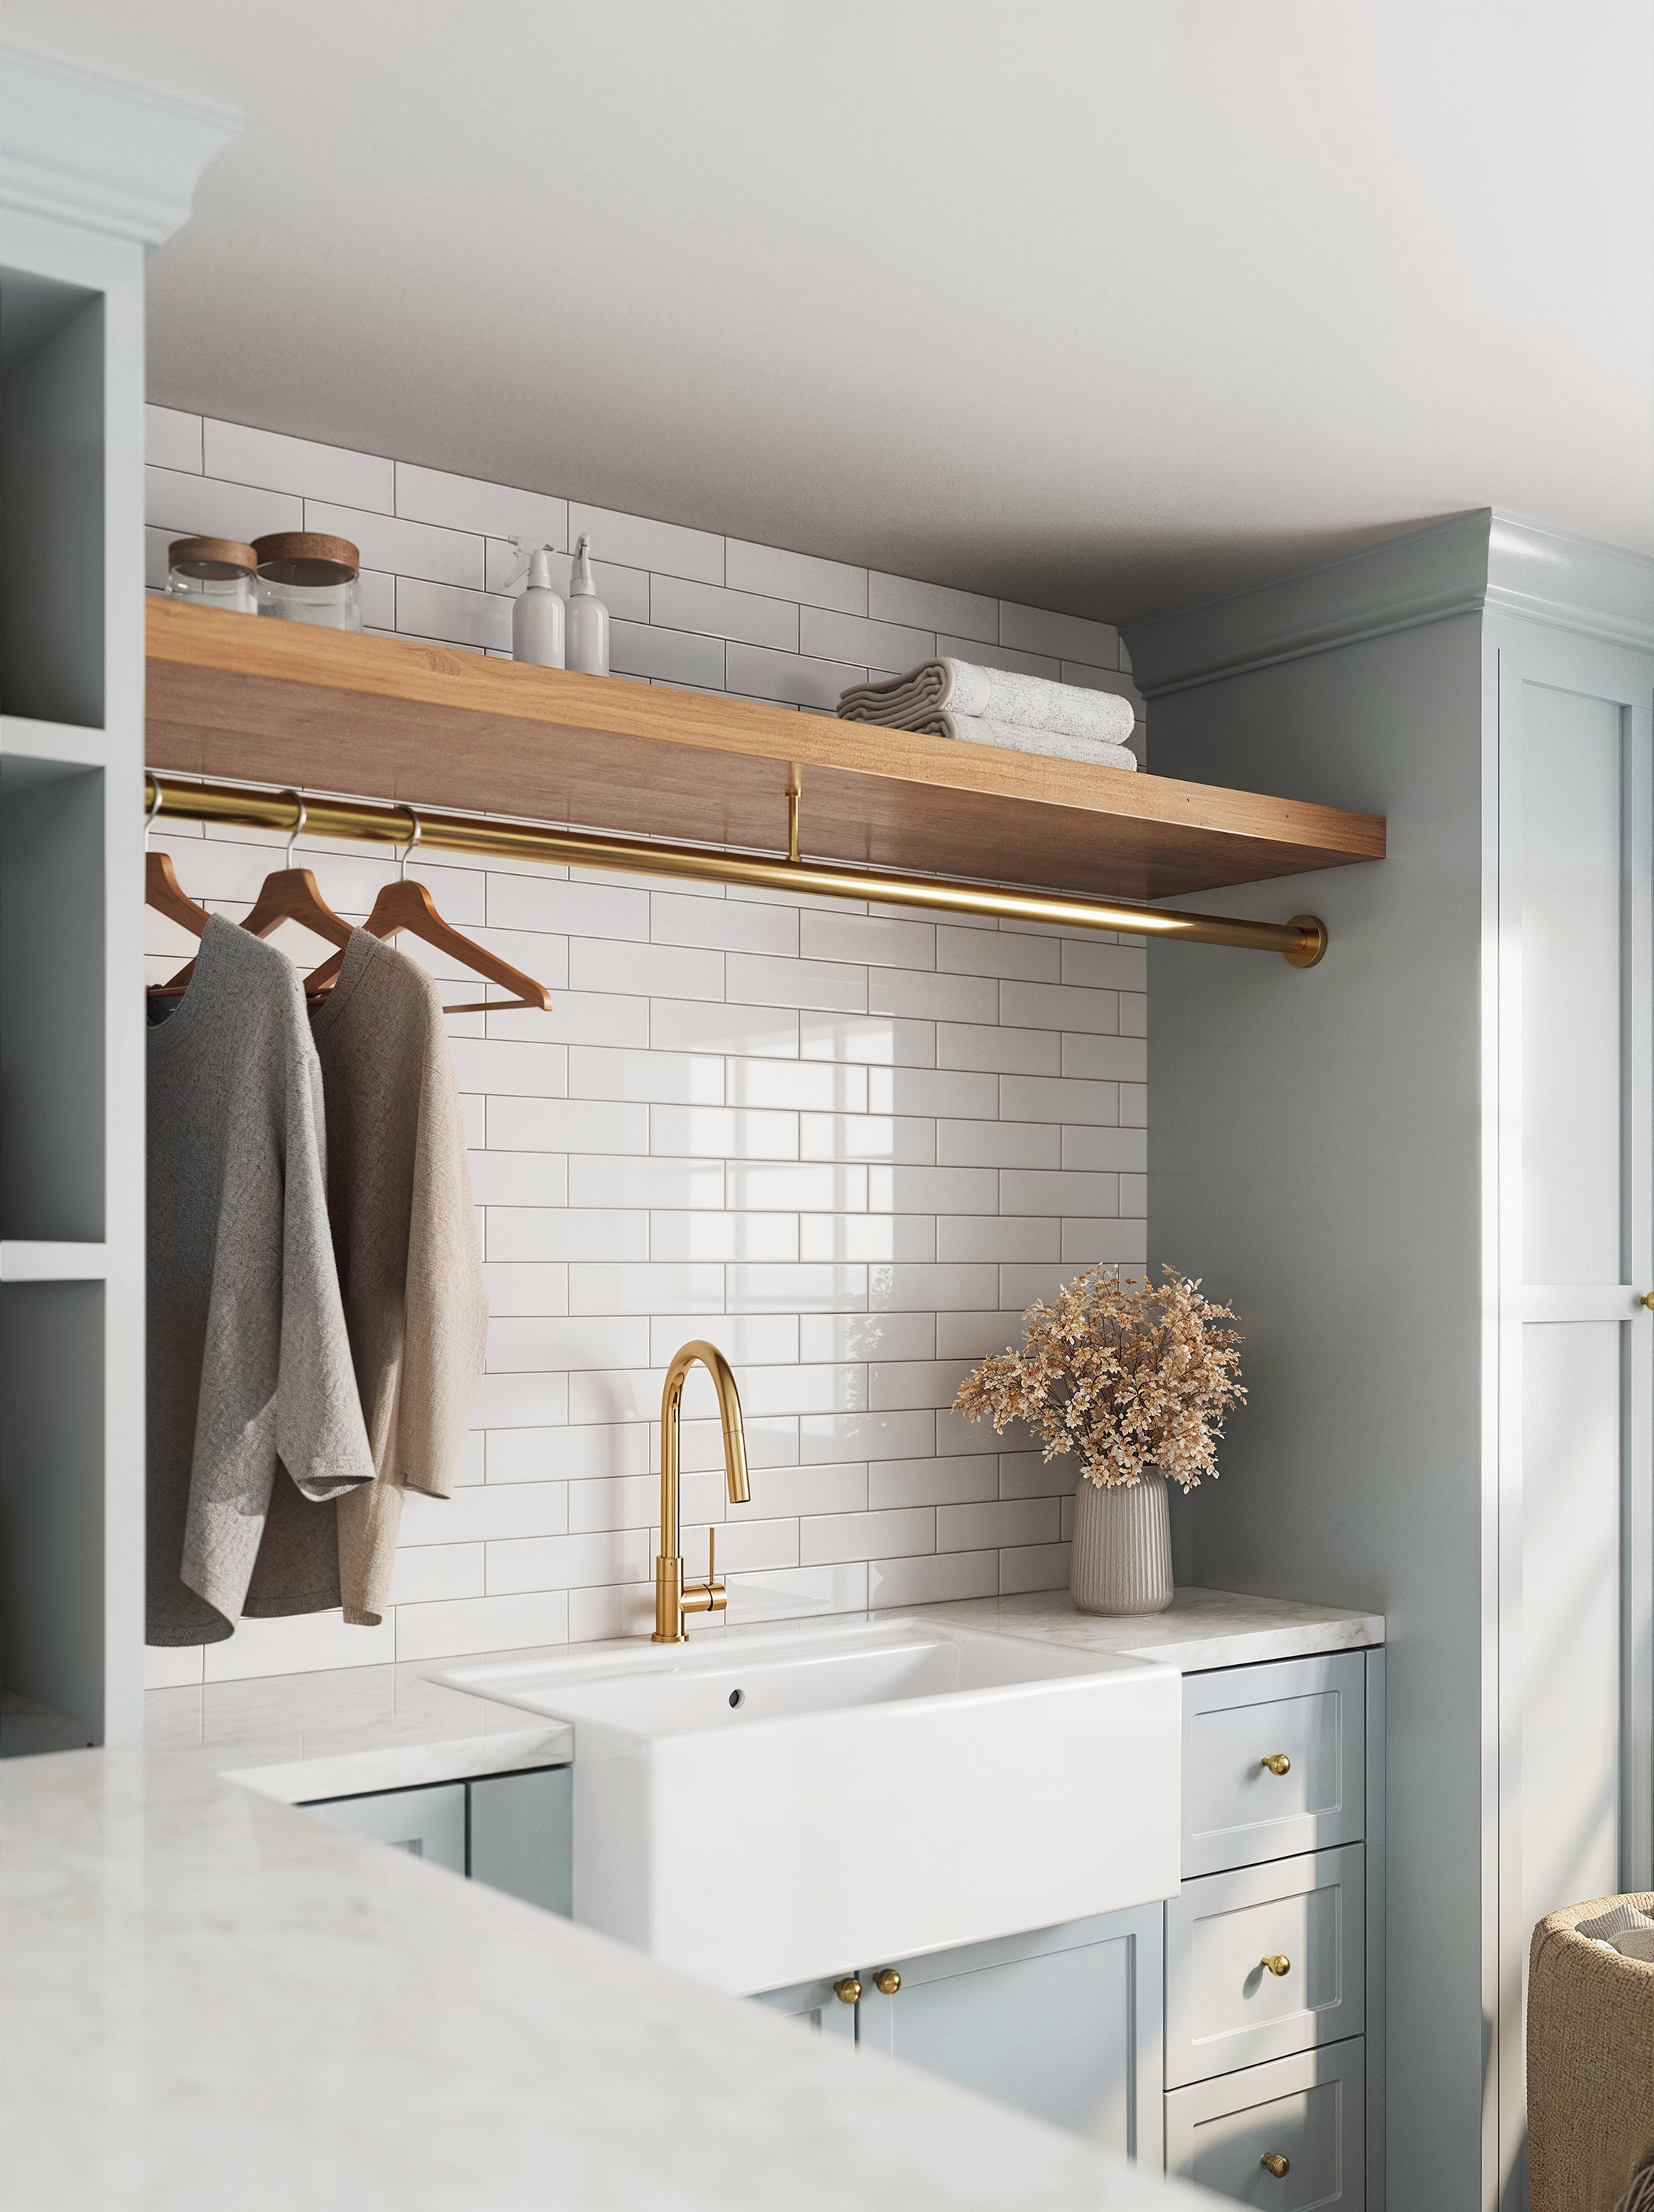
(512, 1832)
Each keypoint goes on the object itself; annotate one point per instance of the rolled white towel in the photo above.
(978, 729)
(961, 688)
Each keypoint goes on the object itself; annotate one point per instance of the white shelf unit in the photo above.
(96, 172)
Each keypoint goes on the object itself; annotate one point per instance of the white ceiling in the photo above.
(1099, 304)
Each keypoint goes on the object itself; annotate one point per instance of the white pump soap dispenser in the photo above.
(537, 618)
(588, 618)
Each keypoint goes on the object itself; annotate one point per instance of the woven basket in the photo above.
(1590, 2064)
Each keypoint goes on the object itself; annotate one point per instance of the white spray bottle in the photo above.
(588, 618)
(537, 618)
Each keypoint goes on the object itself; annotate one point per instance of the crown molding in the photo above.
(98, 152)
(1467, 565)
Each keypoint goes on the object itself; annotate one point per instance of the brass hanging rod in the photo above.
(1301, 941)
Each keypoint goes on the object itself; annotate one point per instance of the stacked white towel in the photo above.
(952, 698)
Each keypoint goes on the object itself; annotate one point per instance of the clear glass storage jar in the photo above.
(305, 577)
(213, 572)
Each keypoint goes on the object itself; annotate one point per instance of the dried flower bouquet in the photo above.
(1134, 1378)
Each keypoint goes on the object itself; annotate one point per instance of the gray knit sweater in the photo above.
(249, 1368)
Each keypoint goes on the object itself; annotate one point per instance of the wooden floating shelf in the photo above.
(247, 698)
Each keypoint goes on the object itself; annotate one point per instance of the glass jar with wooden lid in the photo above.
(309, 577)
(213, 572)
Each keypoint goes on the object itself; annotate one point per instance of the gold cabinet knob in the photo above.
(1647, 1300)
(1277, 1962)
(848, 1991)
(1278, 1763)
(887, 1981)
(1272, 2162)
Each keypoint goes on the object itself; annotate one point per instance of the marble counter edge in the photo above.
(406, 1766)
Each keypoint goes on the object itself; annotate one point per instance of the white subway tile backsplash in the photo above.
(1010, 1051)
(848, 1145)
(998, 952)
(639, 544)
(676, 603)
(728, 925)
(172, 440)
(724, 1133)
(1104, 1148)
(409, 549)
(952, 1575)
(853, 638)
(677, 1026)
(201, 506)
(486, 510)
(297, 464)
(666, 656)
(450, 1630)
(790, 679)
(667, 1079)
(762, 979)
(799, 576)
(932, 607)
(1066, 637)
(441, 610)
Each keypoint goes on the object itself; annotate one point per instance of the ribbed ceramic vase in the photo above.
(1123, 1547)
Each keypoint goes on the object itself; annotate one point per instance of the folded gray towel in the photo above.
(960, 688)
(977, 730)
(1622, 1927)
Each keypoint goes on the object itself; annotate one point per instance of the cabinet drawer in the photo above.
(1224, 2007)
(1310, 1713)
(1308, 2112)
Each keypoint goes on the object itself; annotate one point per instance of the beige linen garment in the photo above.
(411, 1273)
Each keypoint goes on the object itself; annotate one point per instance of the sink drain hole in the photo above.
(737, 1697)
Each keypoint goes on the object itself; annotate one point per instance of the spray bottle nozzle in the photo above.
(526, 549)
(579, 579)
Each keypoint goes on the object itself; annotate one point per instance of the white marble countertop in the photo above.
(352, 1729)
(1200, 1628)
(212, 2000)
(360, 1728)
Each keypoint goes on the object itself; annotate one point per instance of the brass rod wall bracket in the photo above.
(1302, 941)
(794, 793)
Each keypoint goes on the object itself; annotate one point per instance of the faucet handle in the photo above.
(712, 1556)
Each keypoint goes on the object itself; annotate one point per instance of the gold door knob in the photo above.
(848, 1991)
(1272, 2162)
(1277, 1962)
(1647, 1300)
(1278, 1763)
(887, 1981)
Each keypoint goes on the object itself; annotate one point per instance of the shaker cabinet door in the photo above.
(818, 2004)
(1063, 2023)
(429, 1824)
(522, 1836)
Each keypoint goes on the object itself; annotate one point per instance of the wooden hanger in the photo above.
(163, 891)
(285, 895)
(403, 905)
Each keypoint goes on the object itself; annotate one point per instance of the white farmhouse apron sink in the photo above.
(762, 1808)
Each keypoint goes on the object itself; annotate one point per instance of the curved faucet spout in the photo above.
(673, 1597)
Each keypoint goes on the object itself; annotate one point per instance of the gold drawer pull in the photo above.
(1272, 2162)
(848, 1991)
(1277, 1962)
(887, 1981)
(1278, 1763)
